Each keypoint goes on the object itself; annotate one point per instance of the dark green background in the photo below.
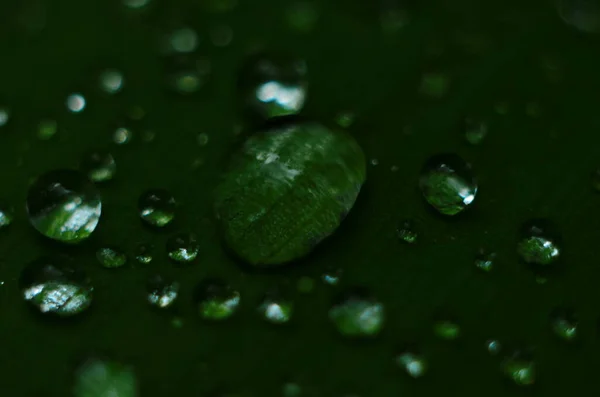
(527, 167)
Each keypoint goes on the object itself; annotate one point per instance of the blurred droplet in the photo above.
(302, 16)
(183, 247)
(6, 214)
(564, 323)
(46, 129)
(356, 313)
(216, 300)
(520, 368)
(291, 389)
(484, 260)
(345, 119)
(64, 205)
(182, 40)
(157, 207)
(162, 292)
(374, 162)
(75, 103)
(502, 108)
(276, 308)
(55, 288)
(111, 257)
(202, 139)
(332, 276)
(393, 16)
(103, 378)
(583, 15)
(412, 362)
(122, 135)
(533, 109)
(493, 346)
(136, 4)
(538, 246)
(447, 329)
(111, 81)
(221, 36)
(434, 85)
(448, 184)
(143, 254)
(99, 166)
(407, 232)
(186, 74)
(475, 131)
(4, 116)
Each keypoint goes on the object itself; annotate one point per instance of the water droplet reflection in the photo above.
(183, 247)
(162, 292)
(520, 368)
(537, 245)
(216, 300)
(157, 207)
(412, 362)
(276, 309)
(406, 232)
(111, 257)
(6, 215)
(111, 81)
(99, 166)
(356, 313)
(564, 323)
(104, 378)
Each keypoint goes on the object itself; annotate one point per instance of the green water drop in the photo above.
(6, 214)
(111, 81)
(447, 184)
(104, 378)
(111, 258)
(53, 287)
(122, 135)
(407, 232)
(183, 40)
(520, 368)
(564, 323)
(345, 119)
(157, 207)
(186, 74)
(183, 247)
(276, 308)
(202, 139)
(273, 86)
(162, 292)
(64, 205)
(475, 131)
(356, 313)
(413, 363)
(216, 300)
(291, 389)
(447, 329)
(143, 254)
(46, 129)
(99, 166)
(4, 116)
(434, 85)
(538, 245)
(583, 15)
(288, 189)
(484, 260)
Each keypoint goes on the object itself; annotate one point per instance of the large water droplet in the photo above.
(412, 362)
(406, 232)
(157, 207)
(99, 166)
(64, 205)
(520, 368)
(6, 214)
(104, 378)
(447, 183)
(356, 313)
(183, 247)
(55, 288)
(111, 81)
(122, 135)
(75, 103)
(273, 86)
(162, 292)
(111, 257)
(538, 245)
(581, 14)
(564, 323)
(216, 300)
(288, 189)
(276, 308)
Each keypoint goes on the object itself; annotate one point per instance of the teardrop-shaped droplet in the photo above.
(104, 378)
(448, 184)
(99, 166)
(183, 247)
(539, 244)
(273, 86)
(111, 257)
(289, 188)
(64, 205)
(216, 300)
(157, 207)
(564, 323)
(162, 292)
(356, 313)
(56, 288)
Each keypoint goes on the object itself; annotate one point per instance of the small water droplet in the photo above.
(302, 16)
(111, 257)
(356, 313)
(485, 260)
(202, 139)
(46, 129)
(99, 377)
(583, 15)
(475, 131)
(406, 232)
(394, 168)
(291, 389)
(412, 362)
(75, 103)
(143, 254)
(374, 162)
(111, 81)
(538, 246)
(99, 166)
(520, 368)
(157, 207)
(4, 116)
(186, 74)
(502, 108)
(55, 288)
(177, 322)
(447, 329)
(305, 285)
(162, 292)
(183, 247)
(493, 346)
(434, 85)
(448, 184)
(216, 300)
(122, 135)
(136, 4)
(221, 36)
(64, 205)
(276, 308)
(332, 276)
(182, 40)
(564, 323)
(6, 214)
(345, 119)
(273, 86)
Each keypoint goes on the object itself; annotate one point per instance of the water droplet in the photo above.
(434, 85)
(265, 224)
(485, 260)
(564, 323)
(136, 4)
(6, 215)
(183, 40)
(276, 308)
(448, 184)
(357, 313)
(394, 168)
(111, 81)
(583, 15)
(46, 129)
(143, 254)
(216, 300)
(302, 16)
(447, 329)
(374, 162)
(99, 166)
(202, 139)
(538, 246)
(97, 377)
(305, 285)
(162, 292)
(291, 389)
(157, 207)
(122, 135)
(406, 232)
(111, 257)
(75, 103)
(273, 86)
(520, 368)
(55, 288)
(4, 116)
(63, 205)
(186, 74)
(475, 131)
(493, 346)
(183, 247)
(332, 276)
(221, 36)
(413, 363)
(345, 119)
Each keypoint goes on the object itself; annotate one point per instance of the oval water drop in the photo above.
(538, 245)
